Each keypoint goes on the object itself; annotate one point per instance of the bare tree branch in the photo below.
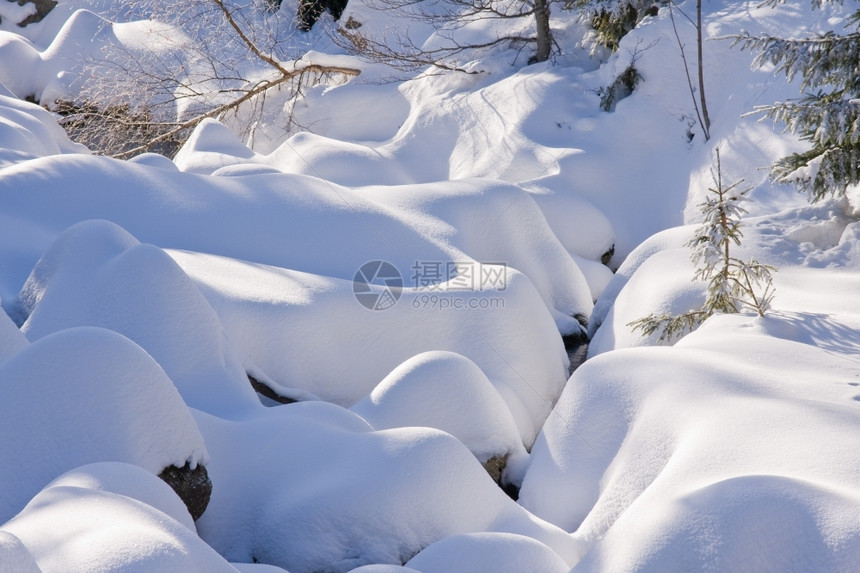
(259, 89)
(147, 96)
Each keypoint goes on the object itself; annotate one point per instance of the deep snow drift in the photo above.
(405, 273)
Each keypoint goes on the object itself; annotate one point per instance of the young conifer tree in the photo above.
(734, 285)
(828, 113)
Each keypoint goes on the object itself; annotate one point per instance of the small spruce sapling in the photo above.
(733, 285)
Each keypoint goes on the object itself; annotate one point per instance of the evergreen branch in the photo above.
(824, 59)
(826, 119)
(670, 326)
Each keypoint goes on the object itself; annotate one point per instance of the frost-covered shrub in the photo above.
(612, 19)
(622, 87)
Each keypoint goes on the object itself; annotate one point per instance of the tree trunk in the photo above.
(706, 120)
(544, 36)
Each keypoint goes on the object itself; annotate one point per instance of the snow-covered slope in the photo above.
(406, 272)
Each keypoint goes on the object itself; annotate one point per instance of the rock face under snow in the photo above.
(192, 485)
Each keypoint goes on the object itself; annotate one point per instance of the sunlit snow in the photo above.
(399, 280)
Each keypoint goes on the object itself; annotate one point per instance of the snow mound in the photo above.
(662, 284)
(482, 552)
(27, 130)
(129, 481)
(12, 340)
(257, 568)
(310, 487)
(809, 527)
(673, 238)
(581, 227)
(446, 391)
(209, 147)
(96, 274)
(309, 332)
(272, 218)
(71, 529)
(383, 568)
(14, 557)
(639, 461)
(85, 395)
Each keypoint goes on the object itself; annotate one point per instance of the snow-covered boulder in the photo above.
(27, 130)
(663, 284)
(85, 529)
(96, 274)
(673, 238)
(310, 487)
(309, 332)
(446, 391)
(85, 395)
(727, 440)
(272, 219)
(14, 556)
(483, 552)
(383, 568)
(130, 481)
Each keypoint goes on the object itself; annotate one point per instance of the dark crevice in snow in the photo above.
(576, 346)
(512, 489)
(268, 392)
(607, 256)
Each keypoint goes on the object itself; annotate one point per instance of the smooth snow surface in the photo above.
(96, 274)
(130, 481)
(478, 552)
(310, 486)
(274, 316)
(12, 340)
(85, 395)
(70, 529)
(142, 298)
(449, 392)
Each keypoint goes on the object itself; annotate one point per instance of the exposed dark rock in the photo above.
(352, 24)
(193, 486)
(495, 466)
(43, 7)
(607, 256)
(264, 390)
(310, 10)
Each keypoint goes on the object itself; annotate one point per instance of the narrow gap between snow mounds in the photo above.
(576, 346)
